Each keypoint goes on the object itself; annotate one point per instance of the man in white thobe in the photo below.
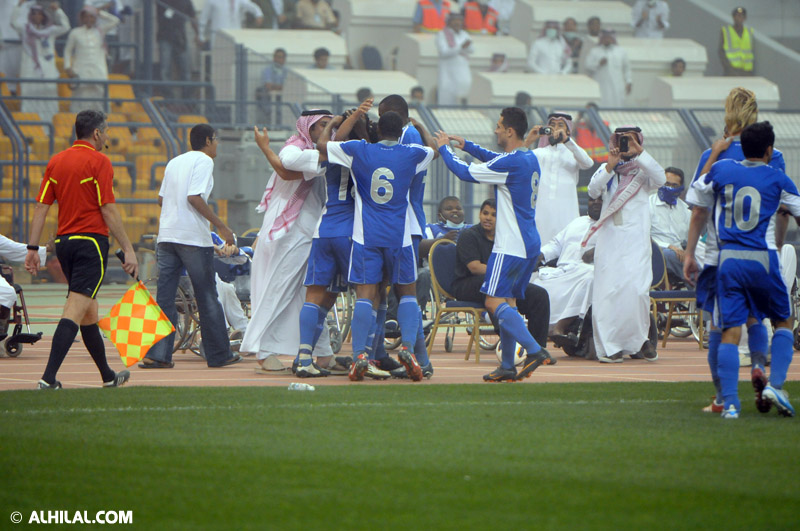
(623, 257)
(550, 53)
(608, 64)
(226, 14)
(669, 221)
(569, 283)
(85, 57)
(560, 160)
(454, 46)
(12, 251)
(650, 18)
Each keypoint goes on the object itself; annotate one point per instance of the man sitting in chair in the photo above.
(569, 283)
(12, 251)
(473, 248)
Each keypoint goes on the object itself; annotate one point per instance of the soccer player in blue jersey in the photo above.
(382, 247)
(409, 135)
(741, 110)
(515, 176)
(746, 196)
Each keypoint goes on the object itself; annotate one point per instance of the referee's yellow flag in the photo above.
(135, 323)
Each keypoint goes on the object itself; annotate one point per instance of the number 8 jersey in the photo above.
(383, 174)
(748, 194)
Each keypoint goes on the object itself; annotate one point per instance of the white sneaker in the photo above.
(730, 413)
(780, 398)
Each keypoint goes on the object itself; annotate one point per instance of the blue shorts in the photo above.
(750, 283)
(372, 265)
(507, 276)
(707, 288)
(328, 263)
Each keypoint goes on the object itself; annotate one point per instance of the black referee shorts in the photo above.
(83, 258)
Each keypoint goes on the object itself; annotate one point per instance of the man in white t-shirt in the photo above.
(184, 242)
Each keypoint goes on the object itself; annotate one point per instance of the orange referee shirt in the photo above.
(80, 179)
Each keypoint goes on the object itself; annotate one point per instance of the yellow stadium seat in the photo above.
(5, 92)
(144, 164)
(36, 136)
(64, 92)
(64, 124)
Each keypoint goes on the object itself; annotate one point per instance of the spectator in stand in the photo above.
(608, 64)
(273, 77)
(586, 137)
(736, 46)
(678, 67)
(522, 100)
(225, 14)
(594, 27)
(38, 29)
(85, 57)
(505, 10)
(550, 53)
(669, 221)
(499, 63)
(321, 56)
(418, 95)
(173, 50)
(314, 14)
(455, 47)
(10, 52)
(650, 18)
(574, 42)
(431, 15)
(479, 18)
(276, 14)
(364, 93)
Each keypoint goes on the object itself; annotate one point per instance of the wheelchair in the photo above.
(19, 313)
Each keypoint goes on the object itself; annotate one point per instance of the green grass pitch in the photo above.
(491, 456)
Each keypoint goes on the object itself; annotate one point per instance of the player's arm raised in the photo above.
(343, 133)
(426, 137)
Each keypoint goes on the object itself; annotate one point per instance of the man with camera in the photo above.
(560, 159)
(622, 260)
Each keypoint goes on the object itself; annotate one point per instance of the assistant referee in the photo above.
(80, 180)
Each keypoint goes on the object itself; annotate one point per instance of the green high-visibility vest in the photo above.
(739, 50)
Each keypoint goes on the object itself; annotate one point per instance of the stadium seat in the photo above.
(64, 125)
(37, 138)
(442, 260)
(5, 93)
(661, 293)
(122, 96)
(572, 90)
(371, 58)
(144, 164)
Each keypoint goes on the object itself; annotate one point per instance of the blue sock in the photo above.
(420, 349)
(370, 346)
(714, 339)
(758, 343)
(322, 320)
(728, 369)
(380, 333)
(510, 319)
(782, 352)
(407, 318)
(508, 346)
(308, 324)
(362, 321)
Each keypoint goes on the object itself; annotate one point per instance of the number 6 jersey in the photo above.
(745, 196)
(383, 174)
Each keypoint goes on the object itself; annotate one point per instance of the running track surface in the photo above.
(680, 360)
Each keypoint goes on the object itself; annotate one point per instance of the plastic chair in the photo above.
(442, 260)
(371, 58)
(669, 297)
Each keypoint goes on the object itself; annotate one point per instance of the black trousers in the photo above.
(535, 306)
